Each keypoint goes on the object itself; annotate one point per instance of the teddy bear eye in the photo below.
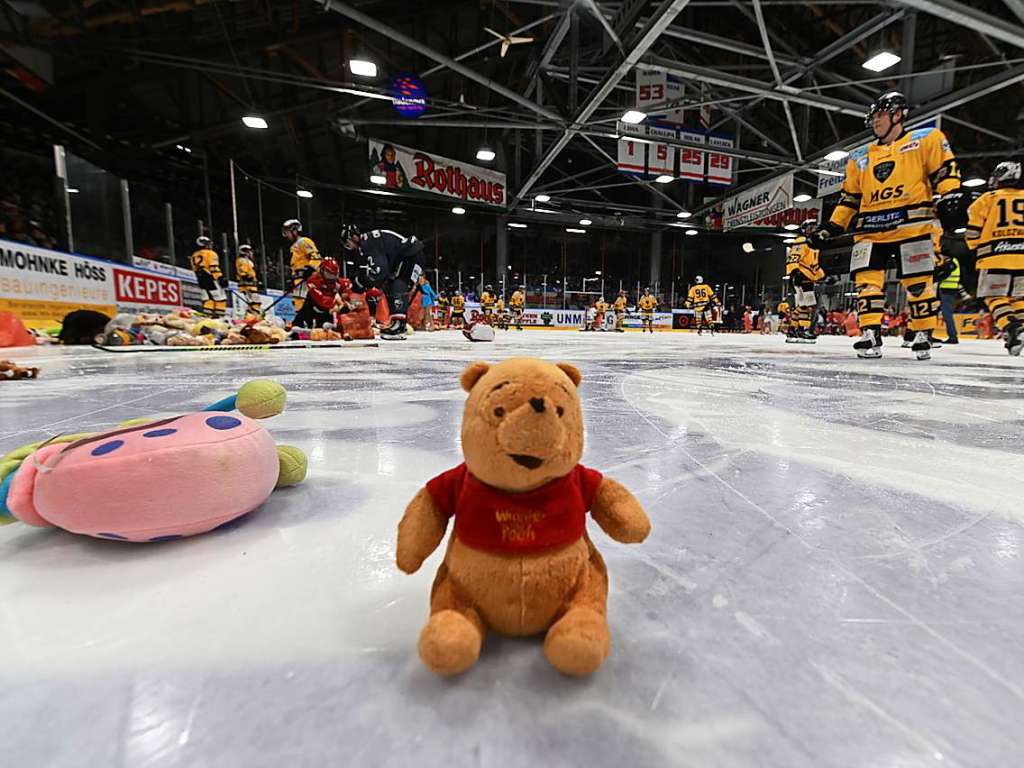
(499, 411)
(560, 410)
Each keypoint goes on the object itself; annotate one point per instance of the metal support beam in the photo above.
(1017, 6)
(907, 52)
(778, 78)
(940, 106)
(425, 50)
(969, 18)
(749, 85)
(548, 53)
(638, 46)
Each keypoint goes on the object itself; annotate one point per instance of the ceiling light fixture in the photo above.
(458, 210)
(304, 193)
(485, 154)
(362, 67)
(254, 121)
(837, 154)
(881, 61)
(801, 198)
(633, 117)
(542, 198)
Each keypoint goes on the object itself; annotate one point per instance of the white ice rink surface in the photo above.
(834, 577)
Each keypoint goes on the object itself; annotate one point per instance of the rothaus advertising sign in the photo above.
(412, 170)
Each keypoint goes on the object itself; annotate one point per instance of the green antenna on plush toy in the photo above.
(257, 399)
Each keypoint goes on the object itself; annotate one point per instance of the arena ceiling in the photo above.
(127, 82)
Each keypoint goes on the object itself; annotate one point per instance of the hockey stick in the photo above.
(242, 347)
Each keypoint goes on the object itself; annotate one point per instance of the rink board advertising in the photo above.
(414, 171)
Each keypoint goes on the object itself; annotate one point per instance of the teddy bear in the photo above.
(519, 560)
(13, 371)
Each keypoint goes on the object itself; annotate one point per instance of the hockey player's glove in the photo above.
(951, 211)
(820, 236)
(308, 272)
(222, 281)
(943, 267)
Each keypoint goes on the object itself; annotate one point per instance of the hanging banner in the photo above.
(414, 171)
(720, 167)
(654, 88)
(662, 158)
(632, 156)
(691, 161)
(760, 202)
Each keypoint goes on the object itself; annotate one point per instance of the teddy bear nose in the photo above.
(537, 403)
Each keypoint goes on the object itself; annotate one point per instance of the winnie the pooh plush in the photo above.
(519, 561)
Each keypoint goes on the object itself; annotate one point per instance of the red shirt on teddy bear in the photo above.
(498, 521)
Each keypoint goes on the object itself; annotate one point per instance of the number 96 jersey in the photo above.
(889, 187)
(995, 229)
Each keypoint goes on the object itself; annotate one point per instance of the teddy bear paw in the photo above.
(578, 643)
(450, 643)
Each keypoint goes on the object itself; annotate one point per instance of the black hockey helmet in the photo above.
(890, 102)
(348, 231)
(1006, 174)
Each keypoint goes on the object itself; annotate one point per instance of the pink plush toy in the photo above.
(155, 480)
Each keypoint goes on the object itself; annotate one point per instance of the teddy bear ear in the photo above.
(571, 371)
(472, 374)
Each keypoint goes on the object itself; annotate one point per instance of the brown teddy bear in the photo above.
(13, 371)
(519, 561)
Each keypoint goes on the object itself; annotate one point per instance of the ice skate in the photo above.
(807, 336)
(922, 346)
(869, 345)
(793, 336)
(396, 330)
(1014, 339)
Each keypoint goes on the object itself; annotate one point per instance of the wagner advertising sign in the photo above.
(760, 202)
(412, 170)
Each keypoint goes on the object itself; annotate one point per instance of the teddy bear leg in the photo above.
(450, 642)
(578, 643)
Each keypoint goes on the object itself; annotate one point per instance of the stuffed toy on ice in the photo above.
(519, 561)
(155, 480)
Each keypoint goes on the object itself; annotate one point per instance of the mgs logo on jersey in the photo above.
(883, 171)
(887, 193)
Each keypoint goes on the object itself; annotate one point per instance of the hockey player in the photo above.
(245, 273)
(702, 299)
(322, 296)
(500, 319)
(441, 309)
(305, 260)
(516, 304)
(647, 304)
(620, 311)
(887, 195)
(803, 270)
(601, 306)
(392, 263)
(995, 234)
(487, 301)
(458, 310)
(206, 265)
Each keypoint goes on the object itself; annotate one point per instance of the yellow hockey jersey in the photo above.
(889, 187)
(648, 303)
(487, 300)
(499, 305)
(245, 270)
(208, 261)
(620, 304)
(801, 256)
(783, 307)
(700, 296)
(601, 305)
(458, 303)
(995, 229)
(304, 254)
(517, 300)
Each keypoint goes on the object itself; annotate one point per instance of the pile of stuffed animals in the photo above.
(182, 329)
